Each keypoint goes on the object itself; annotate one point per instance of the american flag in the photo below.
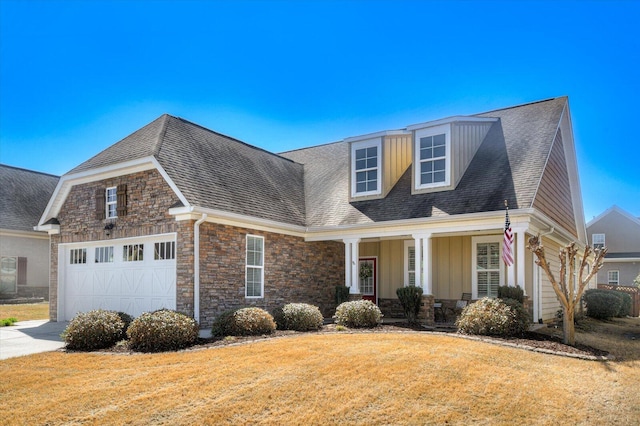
(507, 249)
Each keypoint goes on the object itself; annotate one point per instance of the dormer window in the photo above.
(432, 167)
(366, 166)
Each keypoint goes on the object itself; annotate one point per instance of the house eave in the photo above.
(485, 222)
(23, 234)
(237, 220)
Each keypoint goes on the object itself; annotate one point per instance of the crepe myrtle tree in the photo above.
(567, 290)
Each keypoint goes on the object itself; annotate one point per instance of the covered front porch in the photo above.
(456, 263)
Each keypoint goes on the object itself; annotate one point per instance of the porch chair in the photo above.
(463, 302)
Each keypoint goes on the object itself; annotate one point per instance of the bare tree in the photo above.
(565, 287)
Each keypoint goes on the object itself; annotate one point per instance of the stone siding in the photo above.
(391, 308)
(149, 198)
(427, 314)
(294, 271)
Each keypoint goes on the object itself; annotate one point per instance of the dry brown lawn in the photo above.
(25, 312)
(368, 378)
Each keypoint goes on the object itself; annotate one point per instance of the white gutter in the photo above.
(196, 267)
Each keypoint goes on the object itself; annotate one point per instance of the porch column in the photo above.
(520, 241)
(351, 256)
(423, 262)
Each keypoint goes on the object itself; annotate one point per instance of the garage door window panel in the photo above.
(133, 253)
(165, 250)
(78, 256)
(104, 254)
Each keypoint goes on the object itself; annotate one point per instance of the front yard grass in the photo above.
(25, 312)
(362, 378)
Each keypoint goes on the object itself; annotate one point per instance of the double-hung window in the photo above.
(613, 277)
(254, 270)
(112, 202)
(432, 167)
(598, 241)
(366, 166)
(487, 268)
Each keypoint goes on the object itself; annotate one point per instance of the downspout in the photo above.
(196, 267)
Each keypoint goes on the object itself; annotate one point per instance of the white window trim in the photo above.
(407, 245)
(432, 131)
(108, 203)
(247, 266)
(474, 260)
(609, 281)
(377, 142)
(593, 239)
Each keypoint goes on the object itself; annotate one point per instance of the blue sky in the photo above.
(76, 77)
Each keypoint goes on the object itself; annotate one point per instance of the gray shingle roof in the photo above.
(310, 186)
(215, 171)
(508, 165)
(24, 194)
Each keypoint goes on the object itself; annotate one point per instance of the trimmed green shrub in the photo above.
(493, 317)
(358, 314)
(243, 322)
(521, 321)
(625, 304)
(93, 330)
(299, 317)
(162, 330)
(127, 320)
(342, 294)
(506, 292)
(223, 325)
(410, 298)
(603, 304)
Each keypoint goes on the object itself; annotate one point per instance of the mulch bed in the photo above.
(530, 340)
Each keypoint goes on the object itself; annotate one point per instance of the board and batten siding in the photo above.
(396, 158)
(553, 197)
(466, 138)
(451, 267)
(549, 300)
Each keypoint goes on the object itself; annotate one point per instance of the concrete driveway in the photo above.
(30, 337)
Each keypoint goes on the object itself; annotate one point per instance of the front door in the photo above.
(368, 269)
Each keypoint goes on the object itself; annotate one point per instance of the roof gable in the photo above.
(206, 169)
(23, 197)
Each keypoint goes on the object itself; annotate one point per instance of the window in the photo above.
(8, 274)
(133, 253)
(165, 250)
(254, 273)
(432, 157)
(613, 277)
(487, 270)
(112, 202)
(409, 263)
(104, 254)
(366, 166)
(78, 256)
(598, 241)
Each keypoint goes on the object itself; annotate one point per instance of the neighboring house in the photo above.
(268, 229)
(24, 253)
(619, 231)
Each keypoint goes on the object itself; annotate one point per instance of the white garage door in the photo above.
(128, 275)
